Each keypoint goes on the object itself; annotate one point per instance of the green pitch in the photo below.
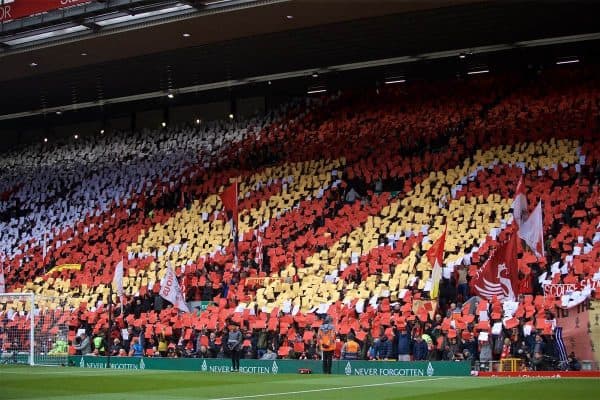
(82, 384)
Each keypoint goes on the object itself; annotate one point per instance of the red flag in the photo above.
(532, 231)
(435, 255)
(229, 197)
(499, 276)
(519, 204)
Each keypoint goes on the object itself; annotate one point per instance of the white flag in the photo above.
(44, 249)
(519, 204)
(170, 290)
(118, 279)
(532, 231)
(2, 284)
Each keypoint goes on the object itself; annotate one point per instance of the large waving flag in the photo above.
(532, 231)
(435, 255)
(170, 290)
(519, 204)
(229, 198)
(499, 275)
(118, 279)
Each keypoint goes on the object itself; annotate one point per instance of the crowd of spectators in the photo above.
(391, 141)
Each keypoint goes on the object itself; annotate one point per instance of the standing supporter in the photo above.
(404, 343)
(326, 342)
(506, 349)
(350, 349)
(463, 285)
(419, 349)
(485, 351)
(100, 343)
(116, 347)
(262, 343)
(312, 351)
(234, 342)
(136, 349)
(127, 341)
(538, 345)
(468, 343)
(162, 344)
(84, 347)
(382, 348)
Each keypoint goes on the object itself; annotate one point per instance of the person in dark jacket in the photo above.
(403, 343)
(419, 349)
(116, 347)
(382, 348)
(262, 343)
(234, 343)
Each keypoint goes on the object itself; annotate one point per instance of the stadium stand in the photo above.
(340, 198)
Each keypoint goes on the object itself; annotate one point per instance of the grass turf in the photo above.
(86, 384)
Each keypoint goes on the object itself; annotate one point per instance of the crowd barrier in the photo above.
(340, 367)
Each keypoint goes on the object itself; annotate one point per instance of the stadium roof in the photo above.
(253, 42)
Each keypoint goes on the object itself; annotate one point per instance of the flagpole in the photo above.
(122, 294)
(542, 233)
(110, 323)
(261, 258)
(235, 227)
(44, 252)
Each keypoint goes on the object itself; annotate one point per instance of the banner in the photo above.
(594, 321)
(575, 333)
(64, 267)
(273, 367)
(261, 280)
(170, 290)
(571, 294)
(559, 289)
(15, 9)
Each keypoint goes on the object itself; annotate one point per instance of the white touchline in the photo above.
(85, 371)
(328, 389)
